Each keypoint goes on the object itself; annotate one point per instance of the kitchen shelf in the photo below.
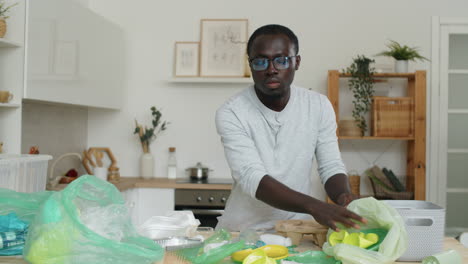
(5, 43)
(210, 80)
(8, 105)
(416, 146)
(376, 138)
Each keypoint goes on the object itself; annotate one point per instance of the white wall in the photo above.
(330, 34)
(56, 130)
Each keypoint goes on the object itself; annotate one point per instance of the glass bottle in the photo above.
(172, 164)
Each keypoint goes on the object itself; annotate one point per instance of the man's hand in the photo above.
(345, 198)
(280, 196)
(331, 214)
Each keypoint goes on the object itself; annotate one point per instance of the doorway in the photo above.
(449, 121)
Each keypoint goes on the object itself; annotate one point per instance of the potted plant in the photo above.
(402, 54)
(148, 135)
(362, 86)
(4, 8)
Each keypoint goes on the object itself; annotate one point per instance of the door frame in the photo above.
(437, 174)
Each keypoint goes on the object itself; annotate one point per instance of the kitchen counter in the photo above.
(127, 183)
(449, 243)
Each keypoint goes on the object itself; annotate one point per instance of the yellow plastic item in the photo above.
(356, 239)
(258, 256)
(272, 251)
(337, 237)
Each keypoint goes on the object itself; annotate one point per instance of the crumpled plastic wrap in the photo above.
(174, 223)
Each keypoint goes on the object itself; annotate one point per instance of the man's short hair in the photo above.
(273, 29)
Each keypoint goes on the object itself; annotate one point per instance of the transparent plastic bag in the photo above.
(174, 223)
(24, 205)
(59, 233)
(219, 238)
(379, 215)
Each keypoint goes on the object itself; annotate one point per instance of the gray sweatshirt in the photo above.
(259, 141)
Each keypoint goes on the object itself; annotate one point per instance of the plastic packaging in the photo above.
(272, 251)
(58, 234)
(24, 173)
(12, 235)
(174, 223)
(11, 239)
(217, 254)
(219, 238)
(316, 257)
(446, 257)
(258, 256)
(379, 216)
(24, 205)
(271, 239)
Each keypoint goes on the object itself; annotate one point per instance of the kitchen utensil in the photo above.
(199, 172)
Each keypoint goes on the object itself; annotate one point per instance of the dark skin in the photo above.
(273, 88)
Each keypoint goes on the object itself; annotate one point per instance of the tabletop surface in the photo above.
(306, 244)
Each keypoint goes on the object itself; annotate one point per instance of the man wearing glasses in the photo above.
(271, 133)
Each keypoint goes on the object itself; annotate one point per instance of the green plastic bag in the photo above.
(88, 223)
(379, 215)
(24, 205)
(313, 257)
(215, 255)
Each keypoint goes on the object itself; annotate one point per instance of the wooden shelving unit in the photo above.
(416, 150)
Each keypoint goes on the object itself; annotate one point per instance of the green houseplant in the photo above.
(4, 9)
(402, 54)
(362, 86)
(146, 136)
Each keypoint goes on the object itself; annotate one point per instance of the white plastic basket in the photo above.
(23, 173)
(425, 223)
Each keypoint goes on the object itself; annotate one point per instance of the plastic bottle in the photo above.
(11, 239)
(172, 164)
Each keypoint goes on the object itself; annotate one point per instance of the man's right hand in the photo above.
(331, 214)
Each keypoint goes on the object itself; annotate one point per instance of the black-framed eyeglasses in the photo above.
(280, 63)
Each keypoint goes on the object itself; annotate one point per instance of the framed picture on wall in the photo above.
(222, 47)
(186, 59)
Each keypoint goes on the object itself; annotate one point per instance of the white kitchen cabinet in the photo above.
(74, 57)
(12, 54)
(147, 202)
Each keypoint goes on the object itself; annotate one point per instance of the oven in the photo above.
(206, 204)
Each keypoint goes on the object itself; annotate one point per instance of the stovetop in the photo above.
(207, 181)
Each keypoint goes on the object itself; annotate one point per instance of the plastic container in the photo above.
(425, 223)
(24, 173)
(179, 250)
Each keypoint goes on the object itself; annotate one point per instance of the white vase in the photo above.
(401, 66)
(147, 165)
